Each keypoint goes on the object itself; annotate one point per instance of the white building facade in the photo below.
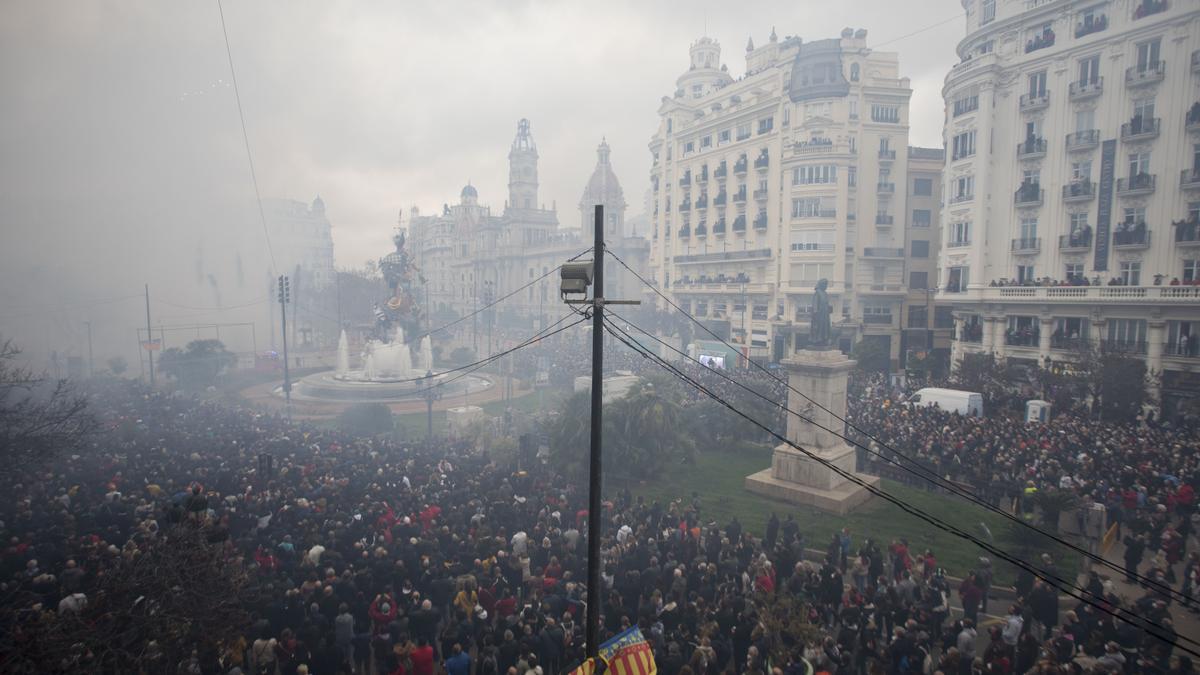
(797, 171)
(1072, 184)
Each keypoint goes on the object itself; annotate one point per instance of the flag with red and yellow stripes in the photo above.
(628, 653)
(586, 668)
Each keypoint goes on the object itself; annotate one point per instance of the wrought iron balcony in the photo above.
(1147, 8)
(1140, 184)
(719, 226)
(884, 219)
(1083, 140)
(885, 188)
(1035, 101)
(1079, 192)
(1138, 237)
(1187, 232)
(1027, 245)
(685, 232)
(763, 161)
(1093, 24)
(1189, 179)
(721, 171)
(882, 252)
(760, 195)
(1140, 129)
(739, 167)
(887, 155)
(1032, 148)
(1086, 89)
(739, 224)
(1191, 121)
(740, 196)
(701, 230)
(1029, 194)
(702, 203)
(685, 206)
(686, 180)
(1075, 243)
(1149, 73)
(760, 221)
(720, 199)
(1123, 346)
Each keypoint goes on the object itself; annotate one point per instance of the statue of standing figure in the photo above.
(820, 332)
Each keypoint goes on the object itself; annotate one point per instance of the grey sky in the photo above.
(120, 146)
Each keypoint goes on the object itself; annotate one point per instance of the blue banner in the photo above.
(1108, 170)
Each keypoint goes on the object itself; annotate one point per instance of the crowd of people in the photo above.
(410, 558)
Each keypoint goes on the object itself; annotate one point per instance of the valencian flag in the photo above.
(628, 653)
(586, 668)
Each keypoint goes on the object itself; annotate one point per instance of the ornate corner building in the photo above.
(796, 171)
(1072, 184)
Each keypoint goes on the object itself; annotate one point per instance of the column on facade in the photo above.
(1096, 335)
(956, 350)
(1046, 329)
(1156, 336)
(999, 344)
(989, 343)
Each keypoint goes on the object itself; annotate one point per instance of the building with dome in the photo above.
(470, 256)
(797, 170)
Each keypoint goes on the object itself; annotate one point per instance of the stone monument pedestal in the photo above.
(794, 476)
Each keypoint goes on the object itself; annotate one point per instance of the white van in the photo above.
(950, 400)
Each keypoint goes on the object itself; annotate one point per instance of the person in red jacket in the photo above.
(383, 610)
(422, 658)
(971, 594)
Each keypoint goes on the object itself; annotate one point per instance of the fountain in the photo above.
(397, 359)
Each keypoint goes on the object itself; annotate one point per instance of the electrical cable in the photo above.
(262, 216)
(1052, 580)
(1147, 581)
(506, 296)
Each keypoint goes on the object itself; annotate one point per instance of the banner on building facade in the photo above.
(1108, 166)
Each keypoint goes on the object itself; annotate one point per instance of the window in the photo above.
(787, 115)
(723, 137)
(923, 187)
(987, 47)
(1143, 109)
(1126, 332)
(1191, 270)
(743, 131)
(852, 176)
(964, 144)
(1136, 214)
(689, 147)
(920, 248)
(1081, 171)
(1147, 54)
(966, 104)
(1139, 163)
(988, 12)
(854, 72)
(960, 234)
(1031, 177)
(1089, 70)
(878, 274)
(957, 279)
(765, 125)
(853, 108)
(706, 142)
(1079, 221)
(670, 125)
(922, 218)
(813, 240)
(1025, 274)
(811, 207)
(1028, 231)
(697, 90)
(1085, 120)
(889, 114)
(817, 174)
(1037, 84)
(918, 316)
(964, 188)
(1131, 273)
(1074, 271)
(918, 280)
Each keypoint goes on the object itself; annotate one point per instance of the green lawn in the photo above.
(413, 425)
(718, 478)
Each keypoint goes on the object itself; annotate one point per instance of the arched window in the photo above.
(854, 72)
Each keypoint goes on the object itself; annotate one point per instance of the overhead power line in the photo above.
(1050, 579)
(1154, 584)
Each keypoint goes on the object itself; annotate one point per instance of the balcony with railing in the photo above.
(1092, 24)
(720, 199)
(685, 205)
(1084, 89)
(1032, 148)
(702, 230)
(721, 171)
(1087, 139)
(1140, 129)
(719, 226)
(1078, 242)
(1034, 101)
(1187, 232)
(686, 180)
(739, 197)
(882, 252)
(1189, 179)
(702, 177)
(760, 221)
(884, 220)
(961, 198)
(1029, 194)
(685, 232)
(1123, 346)
(1021, 337)
(1134, 237)
(739, 224)
(1042, 41)
(1027, 245)
(1138, 184)
(1081, 191)
(702, 202)
(1071, 344)
(1148, 73)
(739, 167)
(760, 195)
(1146, 8)
(885, 188)
(762, 161)
(887, 155)
(958, 243)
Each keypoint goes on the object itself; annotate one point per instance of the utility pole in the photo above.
(594, 464)
(285, 295)
(91, 363)
(149, 338)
